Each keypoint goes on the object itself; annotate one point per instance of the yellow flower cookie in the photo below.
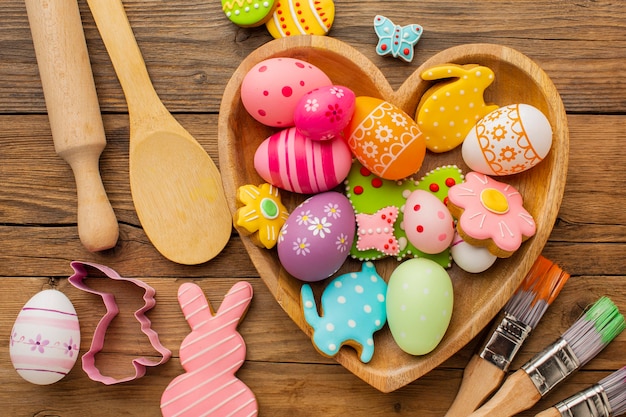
(262, 215)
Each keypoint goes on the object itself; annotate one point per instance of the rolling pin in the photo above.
(73, 112)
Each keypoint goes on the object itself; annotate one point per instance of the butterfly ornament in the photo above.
(396, 40)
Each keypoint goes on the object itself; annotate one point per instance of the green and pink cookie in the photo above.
(378, 205)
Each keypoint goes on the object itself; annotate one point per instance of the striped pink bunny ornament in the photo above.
(210, 355)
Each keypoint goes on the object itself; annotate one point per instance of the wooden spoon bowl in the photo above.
(478, 297)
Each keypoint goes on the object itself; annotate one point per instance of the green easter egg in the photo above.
(419, 305)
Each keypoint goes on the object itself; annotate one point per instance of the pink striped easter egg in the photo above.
(45, 339)
(293, 162)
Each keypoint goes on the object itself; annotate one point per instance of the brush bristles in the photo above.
(615, 388)
(594, 330)
(539, 289)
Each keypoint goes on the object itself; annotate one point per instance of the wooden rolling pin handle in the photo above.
(97, 225)
(74, 112)
(480, 379)
(518, 393)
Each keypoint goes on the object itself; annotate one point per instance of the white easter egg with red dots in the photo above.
(427, 222)
(271, 90)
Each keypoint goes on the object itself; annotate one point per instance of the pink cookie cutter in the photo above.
(89, 358)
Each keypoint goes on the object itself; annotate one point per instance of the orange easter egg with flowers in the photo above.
(385, 139)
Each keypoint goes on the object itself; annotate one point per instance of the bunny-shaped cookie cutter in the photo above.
(210, 355)
(448, 110)
(89, 358)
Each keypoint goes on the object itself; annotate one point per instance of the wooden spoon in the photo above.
(73, 112)
(176, 187)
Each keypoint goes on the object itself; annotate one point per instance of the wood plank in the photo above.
(37, 179)
(192, 53)
(277, 352)
(266, 324)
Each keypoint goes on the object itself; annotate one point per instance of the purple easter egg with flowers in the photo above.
(323, 113)
(316, 238)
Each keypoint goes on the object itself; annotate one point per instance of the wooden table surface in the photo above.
(191, 50)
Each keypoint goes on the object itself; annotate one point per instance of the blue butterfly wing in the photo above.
(384, 28)
(409, 35)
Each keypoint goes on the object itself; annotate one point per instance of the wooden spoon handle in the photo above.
(120, 42)
(74, 112)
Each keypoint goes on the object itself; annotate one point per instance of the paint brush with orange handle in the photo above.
(591, 333)
(486, 370)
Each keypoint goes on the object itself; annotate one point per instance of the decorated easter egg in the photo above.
(427, 222)
(470, 258)
(324, 112)
(273, 87)
(297, 17)
(385, 139)
(508, 140)
(419, 305)
(316, 238)
(248, 13)
(296, 163)
(45, 339)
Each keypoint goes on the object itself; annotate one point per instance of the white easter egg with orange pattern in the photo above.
(385, 139)
(509, 140)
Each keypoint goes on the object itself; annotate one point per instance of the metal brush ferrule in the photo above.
(592, 402)
(551, 366)
(505, 342)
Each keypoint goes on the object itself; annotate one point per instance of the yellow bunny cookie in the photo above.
(449, 109)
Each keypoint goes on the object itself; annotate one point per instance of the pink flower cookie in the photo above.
(210, 355)
(490, 214)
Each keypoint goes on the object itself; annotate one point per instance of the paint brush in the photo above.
(591, 333)
(486, 370)
(607, 398)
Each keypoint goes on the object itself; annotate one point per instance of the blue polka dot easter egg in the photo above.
(419, 305)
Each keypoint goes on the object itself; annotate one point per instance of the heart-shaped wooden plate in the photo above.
(478, 297)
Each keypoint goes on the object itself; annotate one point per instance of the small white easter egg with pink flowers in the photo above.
(45, 339)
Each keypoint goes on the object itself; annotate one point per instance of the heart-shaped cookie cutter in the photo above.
(89, 358)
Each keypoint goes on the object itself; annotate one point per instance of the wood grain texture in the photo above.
(191, 51)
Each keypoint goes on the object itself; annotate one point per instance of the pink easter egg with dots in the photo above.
(323, 113)
(295, 163)
(428, 224)
(271, 90)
